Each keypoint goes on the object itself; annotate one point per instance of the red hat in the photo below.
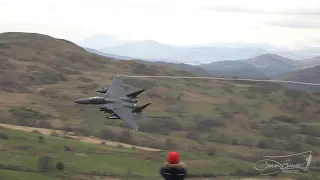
(173, 157)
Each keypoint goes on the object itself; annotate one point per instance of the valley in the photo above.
(222, 128)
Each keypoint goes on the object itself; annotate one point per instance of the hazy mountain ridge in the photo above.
(192, 54)
(267, 64)
(264, 66)
(153, 50)
(108, 55)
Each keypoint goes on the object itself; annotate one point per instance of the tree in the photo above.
(60, 166)
(40, 139)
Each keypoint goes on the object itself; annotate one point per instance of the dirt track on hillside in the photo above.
(92, 140)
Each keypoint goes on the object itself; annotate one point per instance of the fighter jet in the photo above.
(131, 93)
(117, 103)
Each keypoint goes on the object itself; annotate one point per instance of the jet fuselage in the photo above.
(102, 100)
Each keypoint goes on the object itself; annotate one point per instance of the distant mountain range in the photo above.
(247, 62)
(108, 55)
(262, 66)
(198, 54)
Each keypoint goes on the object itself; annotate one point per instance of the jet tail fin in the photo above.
(134, 94)
(139, 109)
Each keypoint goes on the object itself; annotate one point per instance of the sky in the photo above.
(281, 23)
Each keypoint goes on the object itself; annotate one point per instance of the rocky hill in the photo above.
(262, 66)
(41, 76)
(310, 75)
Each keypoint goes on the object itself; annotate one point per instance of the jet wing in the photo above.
(116, 88)
(125, 114)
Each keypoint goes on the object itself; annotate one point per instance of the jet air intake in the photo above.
(102, 90)
(113, 116)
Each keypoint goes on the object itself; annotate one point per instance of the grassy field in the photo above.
(23, 149)
(40, 77)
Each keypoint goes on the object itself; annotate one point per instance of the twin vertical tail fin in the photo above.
(134, 93)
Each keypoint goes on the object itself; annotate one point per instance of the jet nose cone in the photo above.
(77, 101)
(80, 101)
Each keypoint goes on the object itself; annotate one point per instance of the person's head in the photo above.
(173, 158)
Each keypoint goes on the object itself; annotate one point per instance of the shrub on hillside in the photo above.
(88, 86)
(294, 146)
(228, 88)
(153, 94)
(194, 135)
(279, 131)
(270, 143)
(207, 124)
(312, 140)
(226, 114)
(55, 134)
(44, 124)
(162, 126)
(60, 166)
(24, 113)
(144, 69)
(295, 105)
(250, 95)
(260, 90)
(4, 135)
(84, 79)
(293, 93)
(44, 76)
(81, 131)
(309, 130)
(169, 144)
(218, 138)
(247, 141)
(283, 118)
(107, 134)
(36, 132)
(45, 163)
(211, 152)
(126, 137)
(41, 139)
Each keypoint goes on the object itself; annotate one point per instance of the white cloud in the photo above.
(167, 21)
(280, 7)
